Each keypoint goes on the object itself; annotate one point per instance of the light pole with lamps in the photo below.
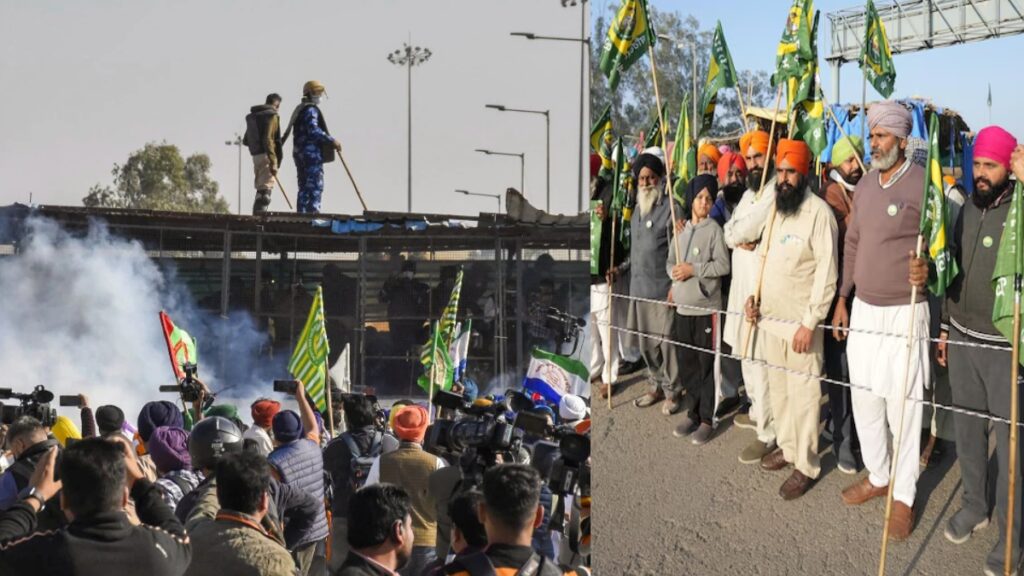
(409, 56)
(238, 142)
(495, 196)
(693, 57)
(547, 124)
(522, 164)
(585, 43)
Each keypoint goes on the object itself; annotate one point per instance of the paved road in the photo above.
(663, 506)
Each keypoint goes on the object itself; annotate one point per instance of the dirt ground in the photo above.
(664, 506)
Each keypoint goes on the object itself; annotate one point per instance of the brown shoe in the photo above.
(901, 521)
(860, 492)
(774, 461)
(649, 399)
(795, 486)
(604, 390)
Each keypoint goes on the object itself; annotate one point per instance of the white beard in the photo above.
(645, 199)
(887, 161)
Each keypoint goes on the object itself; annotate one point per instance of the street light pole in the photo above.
(547, 124)
(238, 142)
(522, 165)
(495, 196)
(409, 56)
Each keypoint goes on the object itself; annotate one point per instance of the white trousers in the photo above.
(755, 381)
(600, 342)
(878, 364)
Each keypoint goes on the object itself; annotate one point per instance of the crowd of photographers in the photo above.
(496, 485)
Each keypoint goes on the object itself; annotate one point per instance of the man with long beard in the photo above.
(843, 178)
(881, 235)
(742, 232)
(800, 250)
(980, 376)
(650, 233)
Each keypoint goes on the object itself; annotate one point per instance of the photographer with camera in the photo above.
(510, 512)
(348, 459)
(28, 441)
(410, 467)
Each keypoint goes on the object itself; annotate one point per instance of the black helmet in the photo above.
(211, 438)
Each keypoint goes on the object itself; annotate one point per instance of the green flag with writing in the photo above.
(875, 55)
(794, 48)
(934, 216)
(684, 153)
(805, 100)
(721, 74)
(629, 37)
(1009, 266)
(601, 140)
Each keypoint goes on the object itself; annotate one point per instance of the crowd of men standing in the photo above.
(787, 253)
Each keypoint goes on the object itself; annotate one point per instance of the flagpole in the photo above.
(608, 340)
(330, 408)
(283, 193)
(353, 180)
(743, 109)
(864, 112)
(433, 371)
(1014, 399)
(898, 436)
(771, 219)
(842, 131)
(668, 160)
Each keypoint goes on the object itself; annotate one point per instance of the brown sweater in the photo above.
(881, 235)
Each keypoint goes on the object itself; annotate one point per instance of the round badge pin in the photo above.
(892, 210)
(649, 224)
(696, 251)
(987, 241)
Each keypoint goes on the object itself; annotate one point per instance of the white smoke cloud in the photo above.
(79, 314)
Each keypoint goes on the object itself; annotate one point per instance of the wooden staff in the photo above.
(668, 159)
(743, 109)
(283, 193)
(608, 340)
(1007, 558)
(897, 438)
(771, 219)
(354, 185)
(842, 131)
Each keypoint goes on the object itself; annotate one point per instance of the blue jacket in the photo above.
(301, 464)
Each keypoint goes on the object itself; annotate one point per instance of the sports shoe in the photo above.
(685, 428)
(846, 467)
(756, 450)
(702, 435)
(962, 526)
(744, 421)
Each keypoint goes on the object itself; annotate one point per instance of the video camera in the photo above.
(564, 324)
(570, 468)
(189, 388)
(35, 404)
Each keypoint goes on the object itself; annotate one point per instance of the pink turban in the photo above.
(890, 116)
(995, 144)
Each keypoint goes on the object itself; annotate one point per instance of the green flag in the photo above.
(180, 345)
(309, 359)
(795, 46)
(601, 140)
(721, 74)
(875, 55)
(629, 36)
(653, 135)
(684, 153)
(595, 238)
(447, 325)
(439, 369)
(1009, 266)
(622, 182)
(934, 216)
(806, 102)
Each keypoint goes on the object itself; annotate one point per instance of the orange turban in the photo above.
(796, 153)
(411, 423)
(758, 139)
(730, 159)
(710, 151)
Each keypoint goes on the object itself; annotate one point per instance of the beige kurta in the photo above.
(745, 226)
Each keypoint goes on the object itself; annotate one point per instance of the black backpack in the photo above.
(360, 464)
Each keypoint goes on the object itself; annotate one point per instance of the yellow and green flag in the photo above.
(446, 328)
(721, 74)
(875, 55)
(439, 369)
(622, 183)
(601, 140)
(795, 47)
(934, 218)
(629, 37)
(805, 100)
(684, 153)
(1006, 278)
(309, 359)
(653, 135)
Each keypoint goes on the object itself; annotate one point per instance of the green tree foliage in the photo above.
(633, 102)
(158, 178)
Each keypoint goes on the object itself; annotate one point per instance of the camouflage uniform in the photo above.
(307, 151)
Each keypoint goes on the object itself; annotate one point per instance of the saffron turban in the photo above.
(796, 153)
(756, 139)
(710, 151)
(890, 116)
(845, 148)
(995, 144)
(730, 159)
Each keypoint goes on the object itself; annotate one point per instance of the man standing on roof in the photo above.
(263, 138)
(313, 146)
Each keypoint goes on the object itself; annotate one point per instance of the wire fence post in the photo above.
(716, 343)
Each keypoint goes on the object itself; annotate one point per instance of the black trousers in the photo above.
(696, 369)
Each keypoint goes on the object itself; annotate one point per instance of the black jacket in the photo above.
(358, 566)
(103, 544)
(338, 463)
(51, 518)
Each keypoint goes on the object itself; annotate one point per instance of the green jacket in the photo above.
(235, 544)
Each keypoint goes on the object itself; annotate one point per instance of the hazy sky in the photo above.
(956, 77)
(86, 83)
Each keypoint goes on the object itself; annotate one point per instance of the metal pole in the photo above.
(693, 80)
(835, 65)
(583, 92)
(409, 85)
(522, 173)
(547, 122)
(238, 141)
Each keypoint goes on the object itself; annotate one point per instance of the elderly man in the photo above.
(707, 158)
(880, 242)
(800, 249)
(843, 177)
(650, 233)
(742, 232)
(980, 376)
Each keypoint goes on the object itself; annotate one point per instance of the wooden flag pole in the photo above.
(743, 109)
(330, 407)
(668, 159)
(897, 438)
(353, 180)
(771, 219)
(842, 131)
(608, 340)
(1014, 399)
(283, 193)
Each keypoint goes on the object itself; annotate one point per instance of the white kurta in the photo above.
(746, 224)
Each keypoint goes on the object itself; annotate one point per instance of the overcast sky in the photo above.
(87, 83)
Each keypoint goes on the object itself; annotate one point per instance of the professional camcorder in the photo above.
(35, 404)
(565, 325)
(189, 387)
(570, 468)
